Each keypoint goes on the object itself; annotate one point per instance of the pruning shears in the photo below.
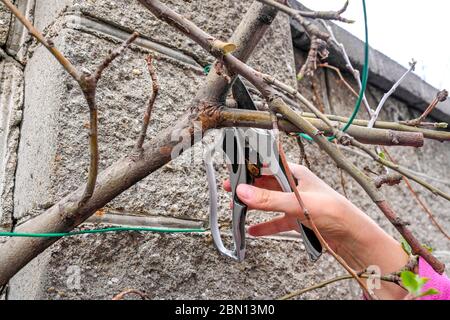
(250, 153)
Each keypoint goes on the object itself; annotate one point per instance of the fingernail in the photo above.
(245, 192)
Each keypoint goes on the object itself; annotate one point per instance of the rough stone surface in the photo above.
(11, 103)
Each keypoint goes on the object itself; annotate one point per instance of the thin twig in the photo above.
(317, 94)
(440, 97)
(347, 140)
(325, 15)
(403, 171)
(386, 96)
(151, 103)
(88, 83)
(318, 38)
(341, 77)
(390, 179)
(328, 15)
(341, 173)
(305, 211)
(419, 174)
(67, 65)
(343, 183)
(317, 48)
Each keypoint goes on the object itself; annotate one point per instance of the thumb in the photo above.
(266, 200)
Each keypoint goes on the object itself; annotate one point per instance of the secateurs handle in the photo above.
(234, 142)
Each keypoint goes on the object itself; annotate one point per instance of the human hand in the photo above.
(348, 231)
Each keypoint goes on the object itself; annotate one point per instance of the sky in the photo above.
(403, 30)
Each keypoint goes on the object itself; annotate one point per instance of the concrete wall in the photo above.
(52, 158)
(5, 18)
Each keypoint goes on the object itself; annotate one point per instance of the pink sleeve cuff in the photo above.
(436, 281)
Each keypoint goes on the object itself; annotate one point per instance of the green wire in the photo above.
(76, 233)
(365, 77)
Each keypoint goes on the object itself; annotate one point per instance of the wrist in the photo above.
(367, 244)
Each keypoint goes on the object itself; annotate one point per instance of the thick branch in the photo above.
(440, 97)
(276, 104)
(258, 119)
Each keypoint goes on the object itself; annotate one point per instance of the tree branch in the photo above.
(347, 140)
(88, 83)
(66, 214)
(319, 39)
(277, 105)
(386, 96)
(440, 97)
(403, 171)
(67, 65)
(419, 201)
(122, 295)
(441, 136)
(437, 135)
(355, 73)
